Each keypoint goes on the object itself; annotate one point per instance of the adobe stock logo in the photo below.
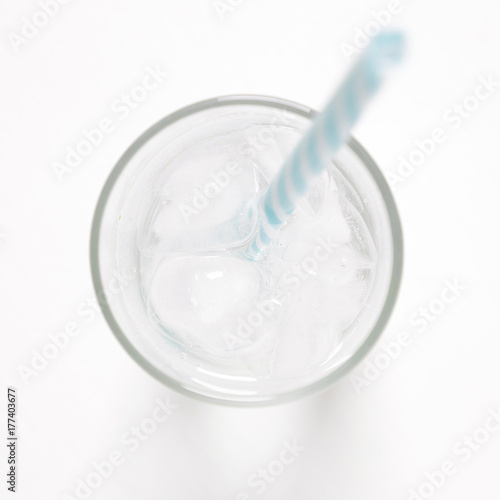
(288, 282)
(267, 135)
(265, 476)
(130, 441)
(122, 108)
(85, 312)
(419, 322)
(362, 36)
(31, 26)
(202, 197)
(453, 118)
(222, 7)
(463, 450)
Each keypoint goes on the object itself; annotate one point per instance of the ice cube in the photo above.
(200, 299)
(207, 200)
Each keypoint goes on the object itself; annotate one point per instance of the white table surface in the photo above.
(377, 442)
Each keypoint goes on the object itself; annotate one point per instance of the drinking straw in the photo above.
(328, 133)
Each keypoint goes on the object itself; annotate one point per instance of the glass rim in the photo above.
(395, 227)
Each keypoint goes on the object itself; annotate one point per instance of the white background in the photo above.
(374, 443)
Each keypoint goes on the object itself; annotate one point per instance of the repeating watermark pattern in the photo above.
(32, 25)
(267, 135)
(362, 35)
(223, 7)
(288, 283)
(453, 118)
(86, 312)
(419, 322)
(260, 480)
(130, 441)
(122, 107)
(12, 455)
(219, 181)
(463, 450)
(203, 196)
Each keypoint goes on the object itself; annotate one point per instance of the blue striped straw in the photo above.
(330, 130)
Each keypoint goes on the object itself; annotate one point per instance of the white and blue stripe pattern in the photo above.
(326, 136)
